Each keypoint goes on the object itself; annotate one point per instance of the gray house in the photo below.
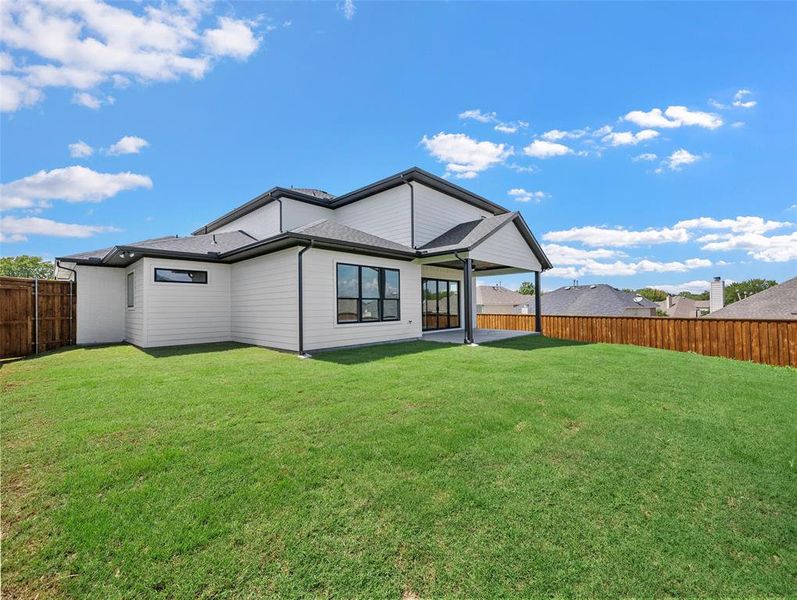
(777, 302)
(496, 299)
(301, 269)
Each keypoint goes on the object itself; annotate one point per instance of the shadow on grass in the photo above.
(366, 354)
(533, 342)
(168, 351)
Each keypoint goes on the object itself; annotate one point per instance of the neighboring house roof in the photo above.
(681, 307)
(495, 295)
(777, 302)
(592, 300)
(321, 198)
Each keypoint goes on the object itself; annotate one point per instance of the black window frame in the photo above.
(359, 298)
(460, 304)
(156, 280)
(131, 283)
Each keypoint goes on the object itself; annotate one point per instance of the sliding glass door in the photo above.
(440, 304)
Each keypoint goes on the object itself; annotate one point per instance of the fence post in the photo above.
(36, 315)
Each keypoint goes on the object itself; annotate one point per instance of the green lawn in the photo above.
(530, 467)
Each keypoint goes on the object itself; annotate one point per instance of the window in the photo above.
(440, 304)
(131, 290)
(367, 294)
(180, 276)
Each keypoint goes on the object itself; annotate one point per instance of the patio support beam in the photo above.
(467, 283)
(537, 303)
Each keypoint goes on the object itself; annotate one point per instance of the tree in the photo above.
(704, 295)
(742, 289)
(652, 294)
(526, 288)
(26, 266)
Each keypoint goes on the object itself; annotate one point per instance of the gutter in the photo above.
(302, 353)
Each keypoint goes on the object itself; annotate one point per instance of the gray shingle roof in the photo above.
(198, 244)
(681, 307)
(316, 193)
(467, 234)
(335, 231)
(777, 302)
(592, 300)
(495, 295)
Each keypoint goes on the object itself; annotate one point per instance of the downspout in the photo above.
(537, 303)
(72, 328)
(468, 301)
(302, 353)
(412, 211)
(280, 202)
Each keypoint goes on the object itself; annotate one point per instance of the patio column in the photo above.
(537, 303)
(467, 283)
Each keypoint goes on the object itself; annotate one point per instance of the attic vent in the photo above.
(568, 287)
(592, 287)
(638, 299)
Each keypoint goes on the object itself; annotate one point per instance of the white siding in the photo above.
(261, 223)
(135, 333)
(295, 214)
(436, 213)
(507, 247)
(100, 305)
(321, 329)
(186, 313)
(263, 294)
(386, 214)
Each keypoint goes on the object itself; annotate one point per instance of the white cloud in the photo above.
(80, 149)
(13, 229)
(678, 159)
(511, 126)
(740, 102)
(626, 138)
(645, 156)
(623, 268)
(465, 157)
(619, 237)
(674, 116)
(476, 114)
(129, 144)
(737, 225)
(72, 184)
(84, 45)
(523, 168)
(89, 100)
(348, 9)
(522, 195)
(696, 286)
(774, 248)
(737, 124)
(233, 38)
(544, 149)
(717, 104)
(567, 255)
(557, 134)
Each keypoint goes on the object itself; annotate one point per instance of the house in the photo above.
(680, 307)
(495, 299)
(301, 269)
(777, 302)
(599, 300)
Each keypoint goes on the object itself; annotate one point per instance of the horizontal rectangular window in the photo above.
(180, 276)
(367, 294)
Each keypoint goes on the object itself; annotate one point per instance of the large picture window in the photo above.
(367, 294)
(180, 276)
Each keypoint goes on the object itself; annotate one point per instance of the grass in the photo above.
(532, 467)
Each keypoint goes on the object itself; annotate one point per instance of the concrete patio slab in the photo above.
(481, 335)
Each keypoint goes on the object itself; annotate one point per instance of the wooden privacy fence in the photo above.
(36, 315)
(764, 341)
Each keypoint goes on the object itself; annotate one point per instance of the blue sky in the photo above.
(645, 144)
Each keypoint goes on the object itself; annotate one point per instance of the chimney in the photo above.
(716, 298)
(668, 302)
